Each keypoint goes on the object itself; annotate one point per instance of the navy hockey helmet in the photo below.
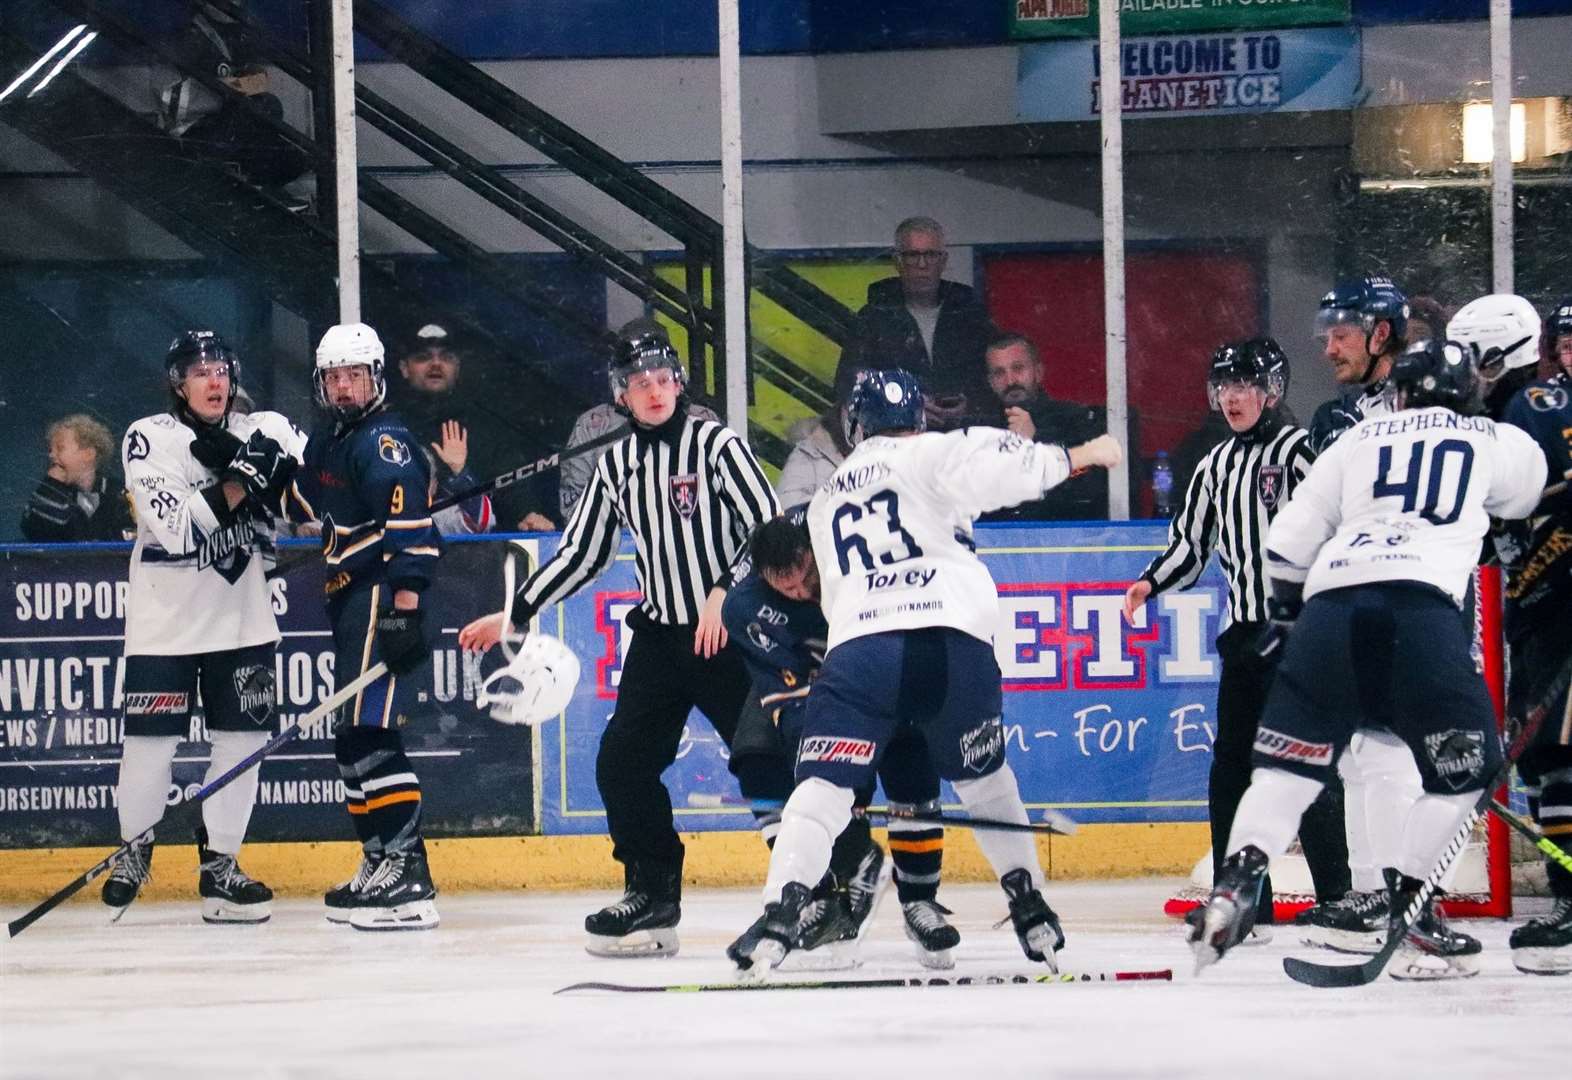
(1559, 324)
(649, 351)
(1259, 361)
(888, 400)
(1363, 302)
(1436, 372)
(197, 346)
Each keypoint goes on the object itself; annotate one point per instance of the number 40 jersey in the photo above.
(1405, 497)
(892, 529)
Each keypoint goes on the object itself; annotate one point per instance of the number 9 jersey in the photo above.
(1406, 497)
(892, 529)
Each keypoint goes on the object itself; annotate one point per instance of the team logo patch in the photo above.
(836, 750)
(392, 451)
(157, 703)
(685, 493)
(1275, 744)
(1458, 756)
(1546, 398)
(254, 692)
(982, 746)
(760, 639)
(137, 447)
(1269, 485)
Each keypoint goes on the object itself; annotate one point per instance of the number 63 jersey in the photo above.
(1405, 497)
(892, 529)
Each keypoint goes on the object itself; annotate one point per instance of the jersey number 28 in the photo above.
(1408, 485)
(872, 529)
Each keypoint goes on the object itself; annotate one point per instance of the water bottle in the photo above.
(1162, 486)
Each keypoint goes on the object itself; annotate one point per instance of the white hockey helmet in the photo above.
(351, 345)
(1502, 328)
(536, 684)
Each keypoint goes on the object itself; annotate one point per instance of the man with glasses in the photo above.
(922, 323)
(691, 493)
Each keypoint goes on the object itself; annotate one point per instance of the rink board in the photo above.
(1105, 721)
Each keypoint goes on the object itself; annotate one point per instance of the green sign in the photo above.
(1078, 18)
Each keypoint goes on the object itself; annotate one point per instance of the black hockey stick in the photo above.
(1531, 834)
(376, 671)
(1312, 974)
(913, 983)
(1053, 821)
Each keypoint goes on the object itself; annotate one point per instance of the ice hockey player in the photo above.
(690, 492)
(1370, 563)
(1232, 497)
(911, 613)
(206, 483)
(366, 480)
(774, 616)
(1536, 555)
(1363, 326)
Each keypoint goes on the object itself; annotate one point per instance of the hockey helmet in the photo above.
(536, 683)
(887, 400)
(650, 351)
(1559, 324)
(1436, 372)
(196, 346)
(1363, 302)
(351, 345)
(1258, 361)
(1503, 331)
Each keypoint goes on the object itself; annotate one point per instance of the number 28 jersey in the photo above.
(1405, 497)
(892, 529)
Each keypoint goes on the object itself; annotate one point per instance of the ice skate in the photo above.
(1353, 923)
(399, 896)
(342, 897)
(931, 933)
(229, 894)
(1544, 946)
(1036, 926)
(1431, 949)
(644, 922)
(127, 876)
(1228, 916)
(763, 946)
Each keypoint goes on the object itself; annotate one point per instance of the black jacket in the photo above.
(1080, 498)
(885, 335)
(53, 515)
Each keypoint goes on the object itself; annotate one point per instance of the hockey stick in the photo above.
(1312, 974)
(376, 671)
(1531, 834)
(915, 983)
(1053, 821)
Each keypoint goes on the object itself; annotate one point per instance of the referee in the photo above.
(1231, 499)
(690, 492)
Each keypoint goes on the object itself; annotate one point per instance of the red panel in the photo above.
(1180, 306)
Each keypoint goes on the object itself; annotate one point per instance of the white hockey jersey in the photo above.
(1405, 497)
(196, 587)
(892, 528)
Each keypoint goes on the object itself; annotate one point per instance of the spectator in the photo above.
(819, 446)
(918, 321)
(79, 498)
(1427, 318)
(431, 364)
(573, 475)
(1019, 403)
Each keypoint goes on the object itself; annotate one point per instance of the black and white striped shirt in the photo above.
(1233, 496)
(690, 495)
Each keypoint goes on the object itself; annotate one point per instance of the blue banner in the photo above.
(1111, 722)
(1195, 74)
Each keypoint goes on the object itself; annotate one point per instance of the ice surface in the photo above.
(162, 995)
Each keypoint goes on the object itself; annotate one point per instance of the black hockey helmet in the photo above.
(1437, 372)
(651, 351)
(1259, 361)
(196, 346)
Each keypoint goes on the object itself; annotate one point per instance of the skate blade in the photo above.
(637, 945)
(337, 916)
(117, 913)
(222, 911)
(835, 956)
(1412, 965)
(1258, 936)
(1348, 942)
(1551, 961)
(766, 959)
(416, 915)
(938, 960)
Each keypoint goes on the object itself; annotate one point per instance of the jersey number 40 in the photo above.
(1408, 486)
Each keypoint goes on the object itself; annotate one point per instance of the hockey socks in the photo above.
(384, 779)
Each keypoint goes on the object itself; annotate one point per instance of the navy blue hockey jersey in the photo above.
(781, 640)
(368, 483)
(1537, 553)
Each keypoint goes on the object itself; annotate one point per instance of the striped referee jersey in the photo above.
(1231, 500)
(691, 496)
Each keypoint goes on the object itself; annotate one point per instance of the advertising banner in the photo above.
(62, 623)
(1078, 18)
(1194, 75)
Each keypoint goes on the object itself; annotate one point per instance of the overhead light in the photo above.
(42, 60)
(64, 60)
(1478, 121)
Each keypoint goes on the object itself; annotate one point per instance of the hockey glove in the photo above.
(1281, 611)
(401, 640)
(262, 467)
(215, 447)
